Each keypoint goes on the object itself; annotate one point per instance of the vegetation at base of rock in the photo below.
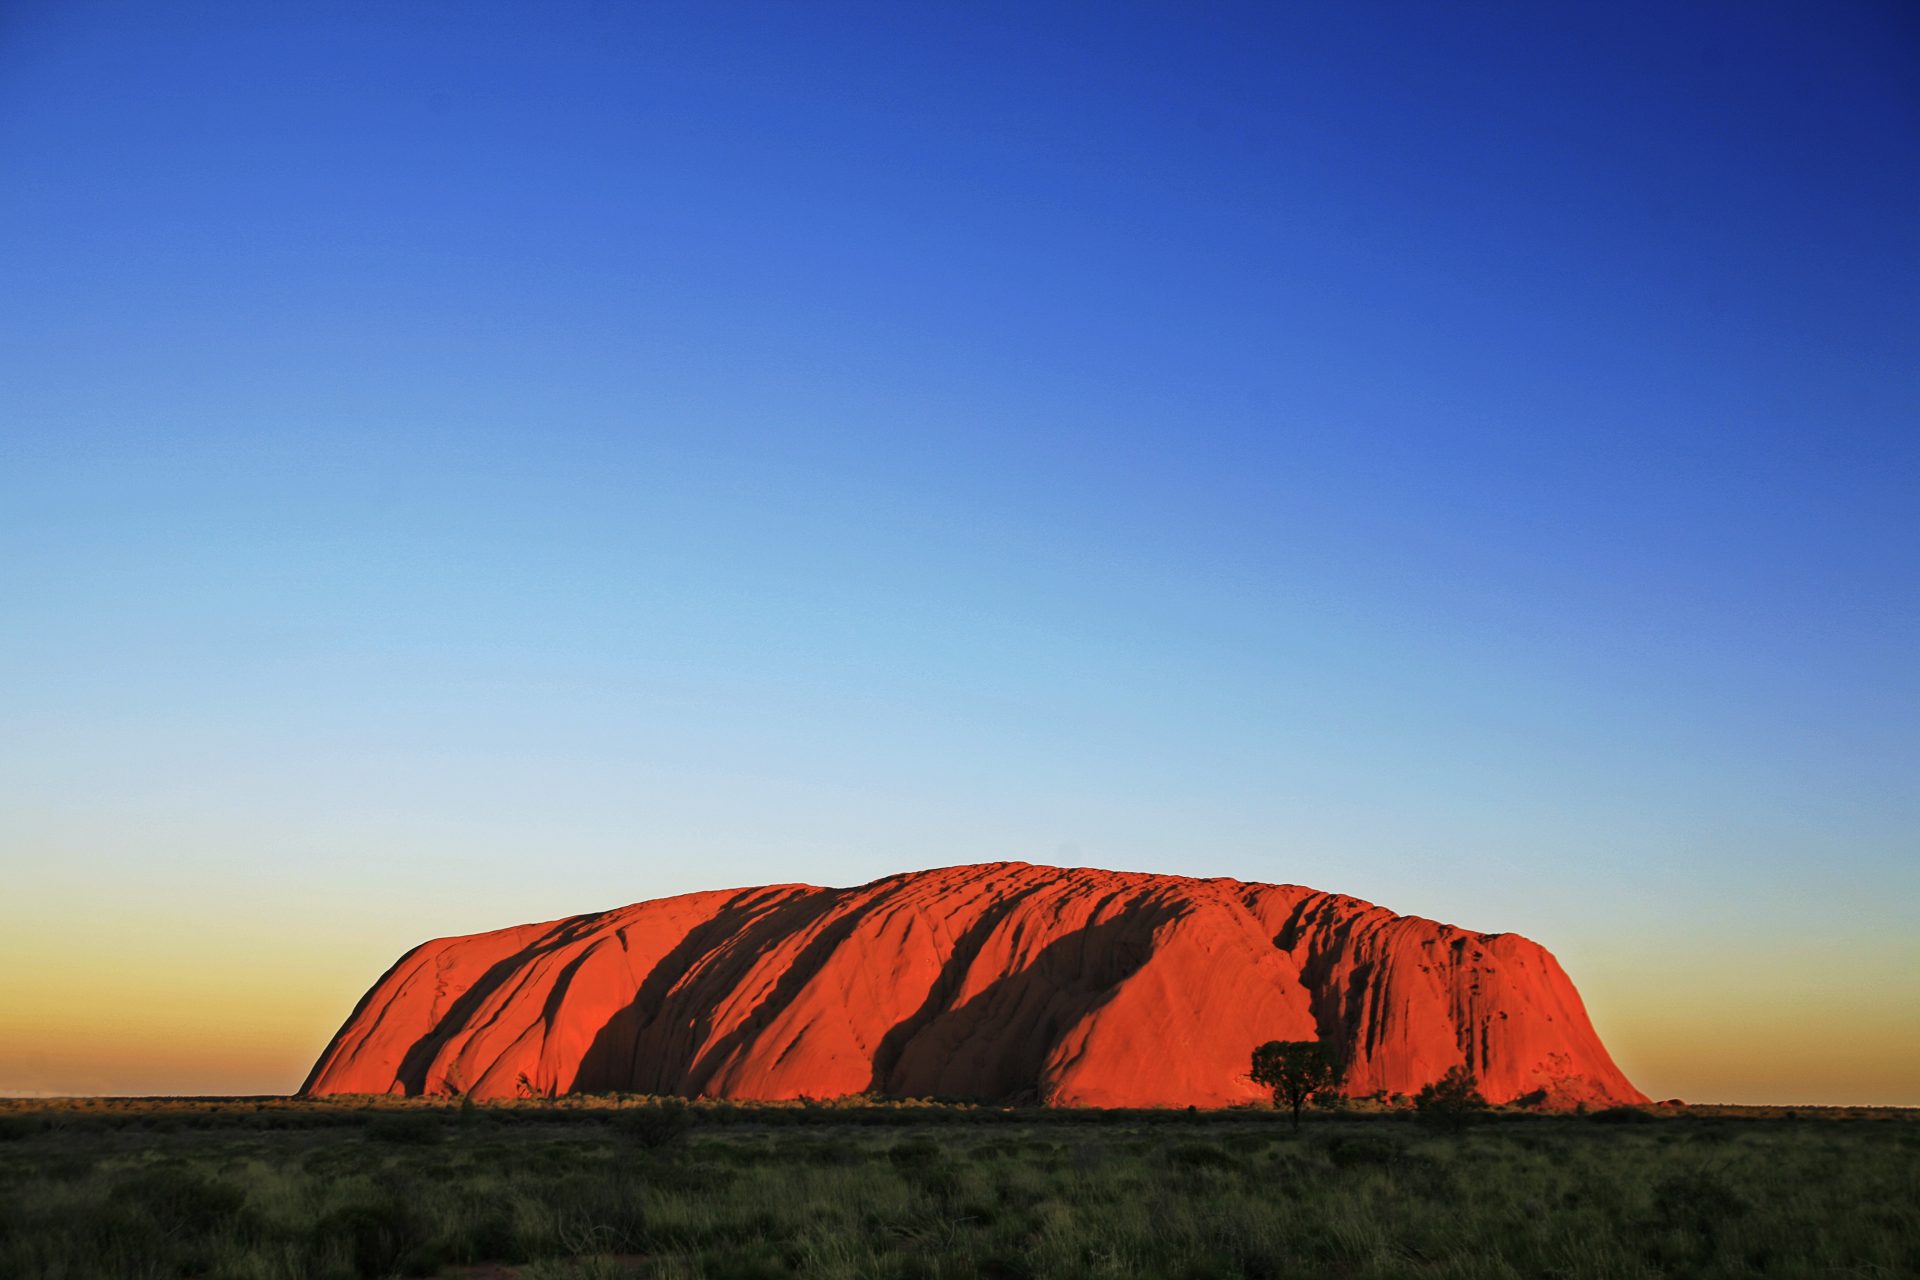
(1296, 1071)
(1451, 1102)
(251, 1189)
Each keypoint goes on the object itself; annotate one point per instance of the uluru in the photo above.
(1001, 982)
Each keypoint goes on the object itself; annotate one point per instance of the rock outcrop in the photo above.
(1003, 982)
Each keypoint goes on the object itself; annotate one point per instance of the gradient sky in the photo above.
(467, 464)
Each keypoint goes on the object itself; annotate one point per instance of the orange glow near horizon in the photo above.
(167, 1023)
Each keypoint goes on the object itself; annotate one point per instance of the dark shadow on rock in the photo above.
(966, 949)
(1335, 1008)
(993, 1047)
(643, 1047)
(791, 982)
(419, 1059)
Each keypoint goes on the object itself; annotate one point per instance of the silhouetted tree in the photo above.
(1451, 1102)
(1296, 1070)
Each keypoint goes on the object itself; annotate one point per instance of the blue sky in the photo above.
(487, 462)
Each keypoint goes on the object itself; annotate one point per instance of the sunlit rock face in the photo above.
(1001, 982)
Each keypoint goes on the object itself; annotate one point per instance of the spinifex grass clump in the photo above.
(664, 1124)
(545, 1191)
(413, 1128)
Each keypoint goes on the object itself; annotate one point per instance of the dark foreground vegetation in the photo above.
(631, 1187)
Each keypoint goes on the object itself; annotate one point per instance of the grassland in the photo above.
(265, 1188)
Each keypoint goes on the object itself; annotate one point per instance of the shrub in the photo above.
(1007, 1264)
(700, 1178)
(486, 1231)
(914, 1153)
(181, 1200)
(822, 1151)
(744, 1262)
(1200, 1155)
(14, 1128)
(1425, 1176)
(380, 1238)
(659, 1126)
(1250, 1142)
(406, 1128)
(1699, 1202)
(1361, 1150)
(1451, 1102)
(1621, 1115)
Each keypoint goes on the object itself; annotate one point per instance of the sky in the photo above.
(470, 464)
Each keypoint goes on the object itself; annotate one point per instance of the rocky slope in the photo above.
(1003, 981)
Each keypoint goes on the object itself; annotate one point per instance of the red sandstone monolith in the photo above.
(1003, 982)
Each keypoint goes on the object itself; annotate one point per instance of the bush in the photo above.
(1621, 1115)
(659, 1126)
(822, 1151)
(1362, 1150)
(1007, 1264)
(1698, 1202)
(914, 1153)
(1200, 1155)
(406, 1128)
(1451, 1102)
(745, 1262)
(380, 1238)
(181, 1200)
(1250, 1142)
(14, 1128)
(486, 1231)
